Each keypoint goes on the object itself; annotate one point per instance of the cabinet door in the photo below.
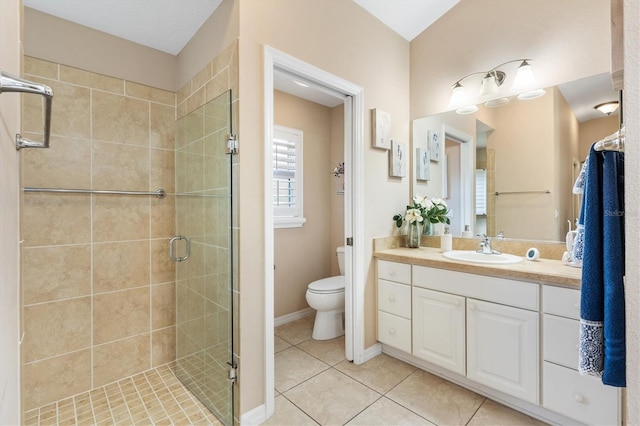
(502, 348)
(438, 328)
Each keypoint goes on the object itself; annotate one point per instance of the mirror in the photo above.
(509, 170)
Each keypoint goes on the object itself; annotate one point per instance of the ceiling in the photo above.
(168, 26)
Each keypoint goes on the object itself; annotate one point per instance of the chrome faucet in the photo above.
(485, 246)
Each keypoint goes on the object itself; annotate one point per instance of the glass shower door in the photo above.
(204, 340)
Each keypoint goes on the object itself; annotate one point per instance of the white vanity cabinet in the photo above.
(502, 348)
(564, 390)
(394, 304)
(439, 328)
(491, 323)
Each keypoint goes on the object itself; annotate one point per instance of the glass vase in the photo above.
(428, 229)
(414, 234)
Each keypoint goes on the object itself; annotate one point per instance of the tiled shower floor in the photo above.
(152, 397)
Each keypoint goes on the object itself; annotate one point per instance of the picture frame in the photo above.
(397, 159)
(423, 169)
(380, 129)
(435, 145)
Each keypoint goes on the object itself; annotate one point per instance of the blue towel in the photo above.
(602, 326)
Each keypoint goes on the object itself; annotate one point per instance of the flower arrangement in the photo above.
(424, 210)
(338, 170)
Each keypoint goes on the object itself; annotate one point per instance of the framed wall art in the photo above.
(423, 158)
(397, 159)
(381, 129)
(435, 145)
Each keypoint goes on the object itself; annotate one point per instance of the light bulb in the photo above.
(489, 89)
(458, 96)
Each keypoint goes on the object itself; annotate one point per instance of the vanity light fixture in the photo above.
(607, 107)
(523, 84)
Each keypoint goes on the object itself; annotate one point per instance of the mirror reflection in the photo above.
(509, 170)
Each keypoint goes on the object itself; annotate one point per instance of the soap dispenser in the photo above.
(446, 241)
(467, 232)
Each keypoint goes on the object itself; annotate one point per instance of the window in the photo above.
(287, 177)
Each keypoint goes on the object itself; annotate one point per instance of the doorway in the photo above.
(352, 96)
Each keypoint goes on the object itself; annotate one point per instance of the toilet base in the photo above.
(328, 325)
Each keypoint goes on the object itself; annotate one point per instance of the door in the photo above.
(203, 251)
(439, 328)
(502, 348)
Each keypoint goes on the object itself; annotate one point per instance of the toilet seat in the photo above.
(328, 285)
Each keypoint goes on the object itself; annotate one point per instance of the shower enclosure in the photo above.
(203, 251)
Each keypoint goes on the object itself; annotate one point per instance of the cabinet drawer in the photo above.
(561, 301)
(393, 271)
(394, 298)
(583, 398)
(394, 331)
(500, 290)
(561, 336)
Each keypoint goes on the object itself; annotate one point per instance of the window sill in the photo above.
(288, 222)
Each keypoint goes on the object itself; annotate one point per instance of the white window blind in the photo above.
(481, 192)
(287, 177)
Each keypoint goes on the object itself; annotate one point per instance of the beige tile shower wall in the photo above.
(98, 286)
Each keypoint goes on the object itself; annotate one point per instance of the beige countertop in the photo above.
(542, 270)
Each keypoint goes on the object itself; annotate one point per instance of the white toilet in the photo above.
(326, 296)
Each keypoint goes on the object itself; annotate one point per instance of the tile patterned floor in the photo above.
(315, 384)
(153, 397)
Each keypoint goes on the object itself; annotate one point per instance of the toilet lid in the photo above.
(328, 285)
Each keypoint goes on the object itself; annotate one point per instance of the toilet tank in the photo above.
(340, 254)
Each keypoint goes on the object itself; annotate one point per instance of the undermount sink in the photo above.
(475, 257)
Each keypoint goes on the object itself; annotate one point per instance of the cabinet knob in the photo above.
(579, 398)
(392, 273)
(577, 347)
(576, 305)
(456, 303)
(392, 298)
(392, 331)
(472, 306)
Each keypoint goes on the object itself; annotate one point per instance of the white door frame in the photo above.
(354, 207)
(467, 173)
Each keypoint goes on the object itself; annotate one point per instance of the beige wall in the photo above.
(10, 61)
(303, 255)
(98, 289)
(593, 130)
(482, 34)
(57, 40)
(337, 200)
(632, 205)
(342, 38)
(213, 37)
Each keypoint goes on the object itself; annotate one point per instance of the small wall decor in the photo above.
(397, 159)
(423, 157)
(380, 129)
(435, 145)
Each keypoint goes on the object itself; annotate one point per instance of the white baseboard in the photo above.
(371, 352)
(254, 417)
(293, 316)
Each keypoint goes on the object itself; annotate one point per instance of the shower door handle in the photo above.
(172, 248)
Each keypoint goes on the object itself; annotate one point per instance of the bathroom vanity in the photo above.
(509, 332)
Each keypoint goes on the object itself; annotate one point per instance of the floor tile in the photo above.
(297, 331)
(436, 399)
(381, 373)
(288, 414)
(329, 351)
(493, 414)
(386, 412)
(294, 366)
(279, 344)
(331, 398)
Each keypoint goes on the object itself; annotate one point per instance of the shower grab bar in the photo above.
(546, 191)
(160, 193)
(11, 83)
